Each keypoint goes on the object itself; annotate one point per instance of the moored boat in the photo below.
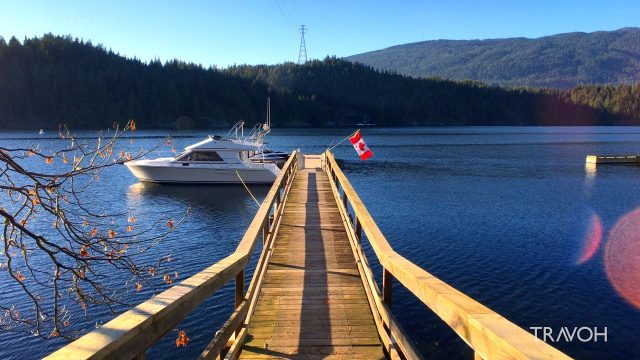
(215, 160)
(234, 158)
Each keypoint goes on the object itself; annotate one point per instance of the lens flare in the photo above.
(592, 239)
(622, 257)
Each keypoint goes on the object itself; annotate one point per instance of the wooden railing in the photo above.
(490, 335)
(129, 335)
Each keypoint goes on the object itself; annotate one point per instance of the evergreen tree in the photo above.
(52, 80)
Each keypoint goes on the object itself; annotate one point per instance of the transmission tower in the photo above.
(302, 54)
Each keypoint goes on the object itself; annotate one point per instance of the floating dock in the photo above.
(612, 159)
(312, 294)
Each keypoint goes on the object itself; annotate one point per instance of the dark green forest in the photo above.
(53, 80)
(557, 61)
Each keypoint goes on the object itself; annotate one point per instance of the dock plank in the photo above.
(312, 303)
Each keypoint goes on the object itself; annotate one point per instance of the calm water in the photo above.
(501, 213)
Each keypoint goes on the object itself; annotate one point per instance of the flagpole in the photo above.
(341, 141)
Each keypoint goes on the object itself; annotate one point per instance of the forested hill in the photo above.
(52, 80)
(559, 61)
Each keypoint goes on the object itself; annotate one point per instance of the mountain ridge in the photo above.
(556, 61)
(51, 80)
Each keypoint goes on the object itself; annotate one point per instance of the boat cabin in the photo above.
(217, 150)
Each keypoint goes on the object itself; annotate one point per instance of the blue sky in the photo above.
(258, 32)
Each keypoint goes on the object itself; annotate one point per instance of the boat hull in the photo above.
(202, 175)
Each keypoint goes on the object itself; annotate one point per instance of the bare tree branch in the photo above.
(83, 248)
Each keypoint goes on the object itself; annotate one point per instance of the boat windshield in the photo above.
(200, 156)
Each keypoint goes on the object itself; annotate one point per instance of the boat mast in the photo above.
(268, 113)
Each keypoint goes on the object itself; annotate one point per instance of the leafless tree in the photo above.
(58, 248)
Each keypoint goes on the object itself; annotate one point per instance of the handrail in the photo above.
(238, 323)
(489, 334)
(131, 333)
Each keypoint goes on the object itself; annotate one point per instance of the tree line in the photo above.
(51, 80)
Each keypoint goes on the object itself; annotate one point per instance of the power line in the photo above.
(282, 12)
(296, 14)
(302, 54)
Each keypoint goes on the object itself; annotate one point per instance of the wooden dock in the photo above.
(612, 159)
(312, 294)
(312, 301)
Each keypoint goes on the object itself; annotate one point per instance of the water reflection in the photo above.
(220, 197)
(590, 170)
(590, 176)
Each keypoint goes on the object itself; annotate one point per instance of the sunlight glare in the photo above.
(622, 257)
(592, 239)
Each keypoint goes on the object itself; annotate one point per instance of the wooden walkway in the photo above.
(312, 303)
(312, 293)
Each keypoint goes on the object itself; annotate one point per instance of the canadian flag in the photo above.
(361, 147)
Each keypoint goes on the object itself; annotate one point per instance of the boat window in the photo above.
(201, 156)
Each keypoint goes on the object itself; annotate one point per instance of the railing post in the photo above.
(239, 292)
(387, 286)
(344, 199)
(265, 230)
(239, 288)
(358, 229)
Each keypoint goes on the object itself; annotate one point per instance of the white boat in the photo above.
(215, 160)
(232, 159)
